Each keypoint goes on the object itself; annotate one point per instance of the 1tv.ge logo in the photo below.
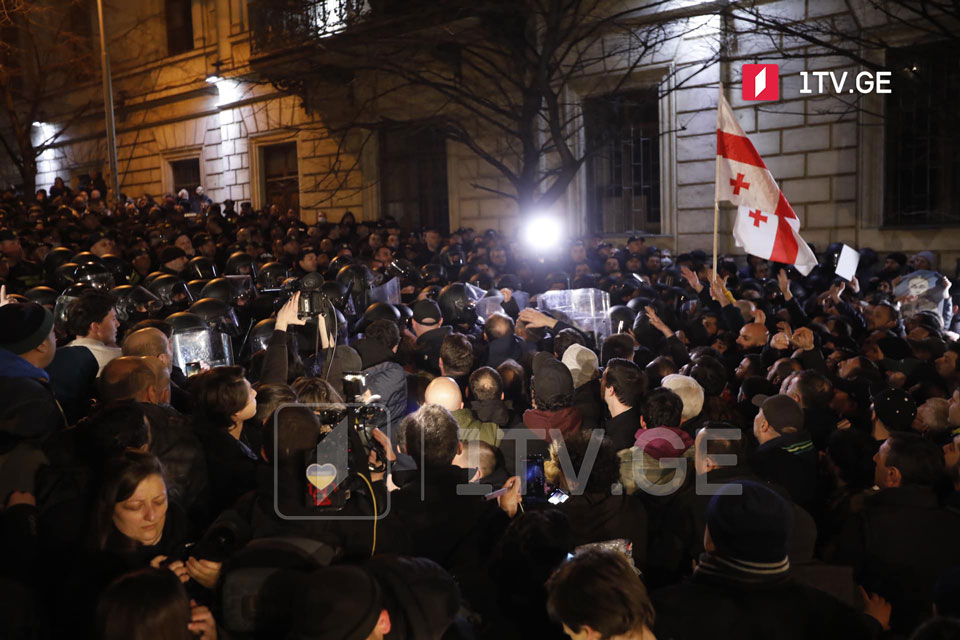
(762, 82)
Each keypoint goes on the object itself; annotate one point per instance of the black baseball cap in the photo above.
(427, 312)
(780, 411)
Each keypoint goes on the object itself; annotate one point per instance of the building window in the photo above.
(413, 177)
(623, 172)
(281, 176)
(185, 174)
(179, 15)
(922, 137)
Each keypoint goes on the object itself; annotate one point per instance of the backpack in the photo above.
(258, 583)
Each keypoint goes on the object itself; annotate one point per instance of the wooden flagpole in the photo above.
(716, 192)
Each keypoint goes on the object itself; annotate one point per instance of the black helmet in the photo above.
(218, 315)
(405, 270)
(433, 274)
(336, 293)
(379, 311)
(218, 288)
(153, 275)
(184, 321)
(65, 275)
(200, 268)
(621, 314)
(240, 264)
(272, 275)
(406, 313)
(96, 274)
(54, 259)
(509, 281)
(44, 296)
(453, 259)
(483, 280)
(356, 278)
(196, 288)
(70, 294)
(172, 291)
(120, 268)
(134, 303)
(456, 307)
(85, 256)
(260, 334)
(336, 264)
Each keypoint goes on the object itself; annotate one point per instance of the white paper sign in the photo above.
(847, 263)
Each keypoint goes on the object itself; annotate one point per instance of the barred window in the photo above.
(623, 174)
(922, 137)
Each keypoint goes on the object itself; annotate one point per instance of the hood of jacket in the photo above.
(13, 366)
(567, 421)
(472, 428)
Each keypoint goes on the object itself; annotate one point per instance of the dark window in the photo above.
(922, 137)
(179, 26)
(281, 177)
(186, 175)
(623, 171)
(413, 177)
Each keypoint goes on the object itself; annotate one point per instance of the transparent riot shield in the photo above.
(586, 309)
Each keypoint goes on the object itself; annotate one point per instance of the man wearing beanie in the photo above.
(28, 409)
(742, 588)
(553, 413)
(785, 455)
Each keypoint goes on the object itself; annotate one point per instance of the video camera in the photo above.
(313, 301)
(353, 425)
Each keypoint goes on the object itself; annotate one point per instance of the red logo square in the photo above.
(761, 82)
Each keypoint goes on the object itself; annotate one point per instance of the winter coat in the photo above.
(789, 460)
(898, 544)
(597, 517)
(711, 607)
(28, 407)
(471, 428)
(73, 376)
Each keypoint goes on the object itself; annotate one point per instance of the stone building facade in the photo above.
(202, 114)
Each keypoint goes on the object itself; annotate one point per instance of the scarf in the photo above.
(734, 571)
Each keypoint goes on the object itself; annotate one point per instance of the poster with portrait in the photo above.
(920, 291)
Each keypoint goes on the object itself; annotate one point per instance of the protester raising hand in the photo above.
(691, 277)
(288, 314)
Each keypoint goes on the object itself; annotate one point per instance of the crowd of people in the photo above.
(746, 453)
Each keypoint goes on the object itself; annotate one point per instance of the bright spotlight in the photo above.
(213, 79)
(543, 233)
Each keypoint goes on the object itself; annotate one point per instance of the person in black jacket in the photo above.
(596, 513)
(223, 399)
(786, 455)
(901, 539)
(427, 327)
(439, 522)
(742, 587)
(623, 386)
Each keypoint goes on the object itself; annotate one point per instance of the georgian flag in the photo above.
(766, 225)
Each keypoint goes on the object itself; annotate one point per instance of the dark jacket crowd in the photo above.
(228, 422)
